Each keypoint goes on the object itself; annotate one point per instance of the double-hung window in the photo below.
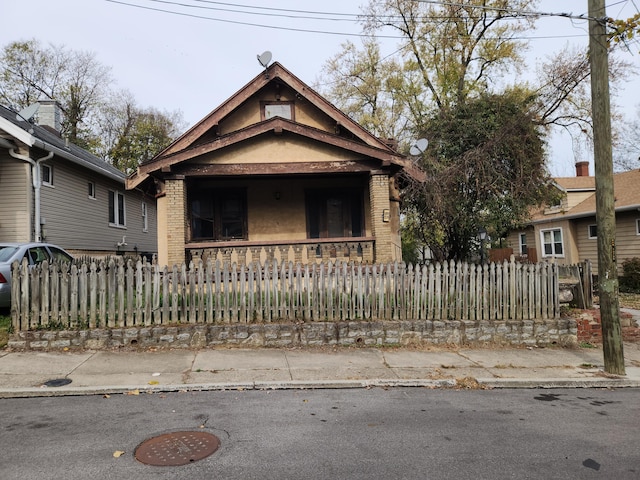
(116, 209)
(552, 242)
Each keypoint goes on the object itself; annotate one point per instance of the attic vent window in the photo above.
(277, 109)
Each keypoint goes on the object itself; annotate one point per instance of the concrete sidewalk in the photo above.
(24, 374)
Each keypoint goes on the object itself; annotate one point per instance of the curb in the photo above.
(483, 383)
(279, 385)
(558, 383)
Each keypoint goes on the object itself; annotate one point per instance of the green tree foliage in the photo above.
(105, 121)
(144, 134)
(76, 80)
(485, 168)
(365, 86)
(454, 56)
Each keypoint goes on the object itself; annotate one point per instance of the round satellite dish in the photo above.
(265, 58)
(419, 147)
(27, 113)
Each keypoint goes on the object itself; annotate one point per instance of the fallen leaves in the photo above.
(118, 453)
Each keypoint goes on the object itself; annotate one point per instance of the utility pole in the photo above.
(605, 201)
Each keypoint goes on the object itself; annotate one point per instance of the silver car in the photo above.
(35, 253)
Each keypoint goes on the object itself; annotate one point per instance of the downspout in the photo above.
(37, 183)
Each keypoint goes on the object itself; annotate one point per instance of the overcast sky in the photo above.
(195, 59)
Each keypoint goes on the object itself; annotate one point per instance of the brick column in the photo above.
(384, 250)
(176, 215)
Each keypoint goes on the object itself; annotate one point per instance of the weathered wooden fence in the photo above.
(141, 294)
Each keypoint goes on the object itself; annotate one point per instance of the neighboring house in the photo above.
(277, 172)
(567, 232)
(57, 192)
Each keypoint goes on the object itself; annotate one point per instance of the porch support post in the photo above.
(175, 213)
(385, 248)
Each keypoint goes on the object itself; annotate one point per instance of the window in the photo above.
(552, 243)
(334, 214)
(277, 109)
(522, 240)
(218, 214)
(145, 218)
(593, 231)
(37, 255)
(116, 209)
(46, 174)
(638, 226)
(91, 190)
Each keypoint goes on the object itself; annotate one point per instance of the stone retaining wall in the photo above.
(561, 331)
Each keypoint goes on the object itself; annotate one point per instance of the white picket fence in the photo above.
(98, 295)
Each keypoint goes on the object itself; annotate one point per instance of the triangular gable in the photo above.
(273, 72)
(277, 125)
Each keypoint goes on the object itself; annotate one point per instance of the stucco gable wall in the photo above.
(270, 148)
(249, 113)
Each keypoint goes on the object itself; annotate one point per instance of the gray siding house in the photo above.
(57, 192)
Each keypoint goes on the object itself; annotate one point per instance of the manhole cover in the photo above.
(177, 448)
(57, 382)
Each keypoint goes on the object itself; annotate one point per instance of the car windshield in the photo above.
(6, 252)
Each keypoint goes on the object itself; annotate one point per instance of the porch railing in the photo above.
(302, 251)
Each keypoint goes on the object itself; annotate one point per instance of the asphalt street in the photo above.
(410, 433)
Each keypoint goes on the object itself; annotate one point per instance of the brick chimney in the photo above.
(50, 115)
(582, 169)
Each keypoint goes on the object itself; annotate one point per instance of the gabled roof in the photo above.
(583, 183)
(626, 187)
(273, 72)
(191, 144)
(38, 136)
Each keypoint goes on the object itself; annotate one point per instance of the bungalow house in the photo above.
(567, 232)
(57, 192)
(277, 172)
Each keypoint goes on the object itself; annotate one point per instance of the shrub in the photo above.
(630, 279)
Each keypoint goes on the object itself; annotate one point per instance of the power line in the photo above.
(293, 29)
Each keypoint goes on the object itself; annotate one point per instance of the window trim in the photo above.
(116, 221)
(589, 235)
(637, 226)
(48, 183)
(92, 190)
(353, 202)
(216, 195)
(145, 217)
(553, 254)
(521, 244)
(264, 104)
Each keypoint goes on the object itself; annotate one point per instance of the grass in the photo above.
(5, 326)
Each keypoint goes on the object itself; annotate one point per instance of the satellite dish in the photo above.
(265, 58)
(27, 113)
(419, 147)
